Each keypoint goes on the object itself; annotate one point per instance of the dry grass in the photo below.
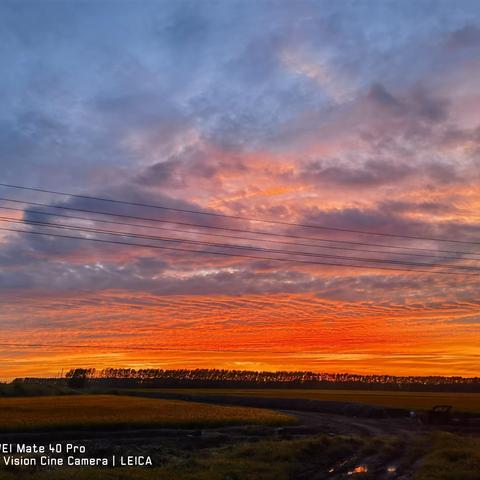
(111, 411)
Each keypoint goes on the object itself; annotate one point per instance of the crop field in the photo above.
(111, 411)
(467, 402)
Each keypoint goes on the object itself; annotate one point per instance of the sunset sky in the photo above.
(361, 115)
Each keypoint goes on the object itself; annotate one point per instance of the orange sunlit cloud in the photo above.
(326, 122)
(274, 332)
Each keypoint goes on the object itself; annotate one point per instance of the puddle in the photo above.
(359, 469)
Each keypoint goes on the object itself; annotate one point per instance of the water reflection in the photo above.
(359, 469)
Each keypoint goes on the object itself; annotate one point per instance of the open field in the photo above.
(109, 411)
(467, 402)
(242, 443)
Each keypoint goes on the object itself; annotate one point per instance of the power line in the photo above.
(237, 217)
(256, 257)
(237, 230)
(242, 247)
(236, 237)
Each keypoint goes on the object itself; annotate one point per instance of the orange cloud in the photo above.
(269, 331)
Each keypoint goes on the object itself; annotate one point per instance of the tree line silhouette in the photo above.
(157, 378)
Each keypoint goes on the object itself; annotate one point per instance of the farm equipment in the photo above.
(443, 415)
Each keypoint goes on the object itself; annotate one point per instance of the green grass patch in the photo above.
(450, 457)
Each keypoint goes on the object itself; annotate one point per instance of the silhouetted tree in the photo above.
(129, 377)
(78, 377)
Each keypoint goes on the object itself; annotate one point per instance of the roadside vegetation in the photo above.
(450, 457)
